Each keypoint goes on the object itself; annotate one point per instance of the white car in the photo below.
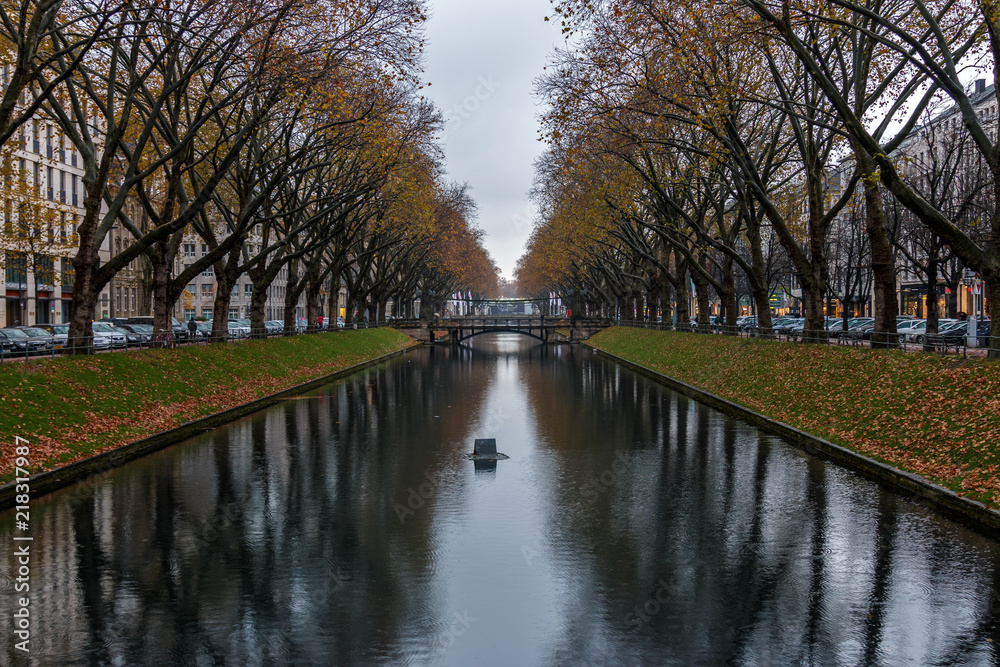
(110, 336)
(239, 329)
(916, 335)
(908, 331)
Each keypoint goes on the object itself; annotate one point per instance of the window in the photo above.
(234, 313)
(75, 199)
(48, 140)
(236, 290)
(247, 290)
(118, 299)
(68, 275)
(208, 273)
(135, 300)
(45, 271)
(206, 290)
(204, 249)
(189, 250)
(17, 267)
(190, 288)
(206, 313)
(188, 314)
(62, 186)
(50, 184)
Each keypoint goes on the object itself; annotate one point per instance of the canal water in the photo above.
(630, 526)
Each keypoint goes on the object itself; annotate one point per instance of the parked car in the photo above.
(910, 329)
(144, 332)
(984, 333)
(340, 323)
(132, 339)
(204, 329)
(59, 333)
(31, 340)
(18, 342)
(7, 345)
(108, 332)
(237, 329)
(179, 329)
(787, 324)
(273, 327)
(861, 331)
(39, 336)
(943, 325)
(852, 325)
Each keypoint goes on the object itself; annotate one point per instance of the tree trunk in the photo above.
(666, 296)
(220, 318)
(759, 287)
(702, 298)
(933, 309)
(312, 307)
(683, 295)
(85, 291)
(728, 296)
(352, 304)
(258, 298)
(883, 270)
(162, 322)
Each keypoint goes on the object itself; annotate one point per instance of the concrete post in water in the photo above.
(485, 447)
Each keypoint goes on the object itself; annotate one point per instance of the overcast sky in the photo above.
(481, 58)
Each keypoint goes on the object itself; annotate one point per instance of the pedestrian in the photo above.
(192, 328)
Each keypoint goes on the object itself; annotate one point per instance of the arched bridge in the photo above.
(545, 329)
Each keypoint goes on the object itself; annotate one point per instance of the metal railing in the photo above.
(941, 343)
(31, 349)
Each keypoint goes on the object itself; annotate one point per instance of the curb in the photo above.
(968, 512)
(100, 464)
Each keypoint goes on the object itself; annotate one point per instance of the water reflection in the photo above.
(630, 526)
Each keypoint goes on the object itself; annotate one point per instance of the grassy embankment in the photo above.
(70, 408)
(936, 416)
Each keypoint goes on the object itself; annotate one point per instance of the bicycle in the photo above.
(163, 339)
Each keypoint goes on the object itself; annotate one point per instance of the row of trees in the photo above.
(289, 136)
(728, 144)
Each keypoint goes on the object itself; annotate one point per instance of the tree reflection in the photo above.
(674, 535)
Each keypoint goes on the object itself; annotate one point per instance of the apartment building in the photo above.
(42, 200)
(940, 145)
